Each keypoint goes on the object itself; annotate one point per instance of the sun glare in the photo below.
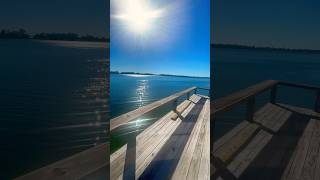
(138, 15)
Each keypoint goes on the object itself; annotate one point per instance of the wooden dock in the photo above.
(277, 141)
(177, 146)
(86, 165)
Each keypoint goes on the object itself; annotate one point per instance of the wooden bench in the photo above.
(240, 146)
(174, 141)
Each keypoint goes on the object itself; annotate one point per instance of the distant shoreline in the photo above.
(152, 74)
(236, 46)
(66, 40)
(22, 34)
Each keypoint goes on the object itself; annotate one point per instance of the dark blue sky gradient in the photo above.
(78, 16)
(187, 52)
(273, 23)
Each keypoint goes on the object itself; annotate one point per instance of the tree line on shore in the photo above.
(22, 34)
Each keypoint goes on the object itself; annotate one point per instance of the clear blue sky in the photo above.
(276, 23)
(179, 43)
(77, 16)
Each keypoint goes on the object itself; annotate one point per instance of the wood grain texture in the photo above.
(229, 101)
(274, 118)
(304, 164)
(246, 156)
(152, 139)
(125, 118)
(235, 142)
(164, 164)
(195, 159)
(74, 167)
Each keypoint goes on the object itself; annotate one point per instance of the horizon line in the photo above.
(225, 45)
(156, 74)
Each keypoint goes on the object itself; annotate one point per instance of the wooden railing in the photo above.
(127, 117)
(124, 119)
(94, 159)
(303, 86)
(249, 94)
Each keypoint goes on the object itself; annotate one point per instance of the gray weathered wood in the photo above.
(273, 94)
(274, 118)
(164, 164)
(304, 163)
(151, 140)
(301, 110)
(317, 102)
(250, 108)
(197, 150)
(232, 145)
(74, 167)
(229, 101)
(125, 118)
(247, 155)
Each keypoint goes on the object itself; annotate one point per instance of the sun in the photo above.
(138, 15)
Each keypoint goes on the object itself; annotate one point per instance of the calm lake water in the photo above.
(129, 92)
(53, 96)
(52, 102)
(235, 69)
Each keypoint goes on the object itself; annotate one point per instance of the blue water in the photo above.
(52, 102)
(235, 69)
(129, 92)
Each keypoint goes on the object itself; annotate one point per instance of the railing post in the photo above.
(188, 95)
(317, 102)
(195, 91)
(130, 159)
(250, 108)
(174, 105)
(273, 94)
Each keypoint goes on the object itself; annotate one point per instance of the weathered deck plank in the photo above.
(155, 127)
(304, 162)
(204, 172)
(245, 157)
(152, 139)
(238, 148)
(266, 154)
(74, 167)
(274, 118)
(197, 150)
(165, 162)
(150, 150)
(235, 142)
(117, 161)
(301, 110)
(146, 137)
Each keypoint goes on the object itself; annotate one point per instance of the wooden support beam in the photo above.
(174, 105)
(317, 102)
(250, 108)
(130, 160)
(273, 94)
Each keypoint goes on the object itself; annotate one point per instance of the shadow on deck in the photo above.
(177, 146)
(279, 142)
